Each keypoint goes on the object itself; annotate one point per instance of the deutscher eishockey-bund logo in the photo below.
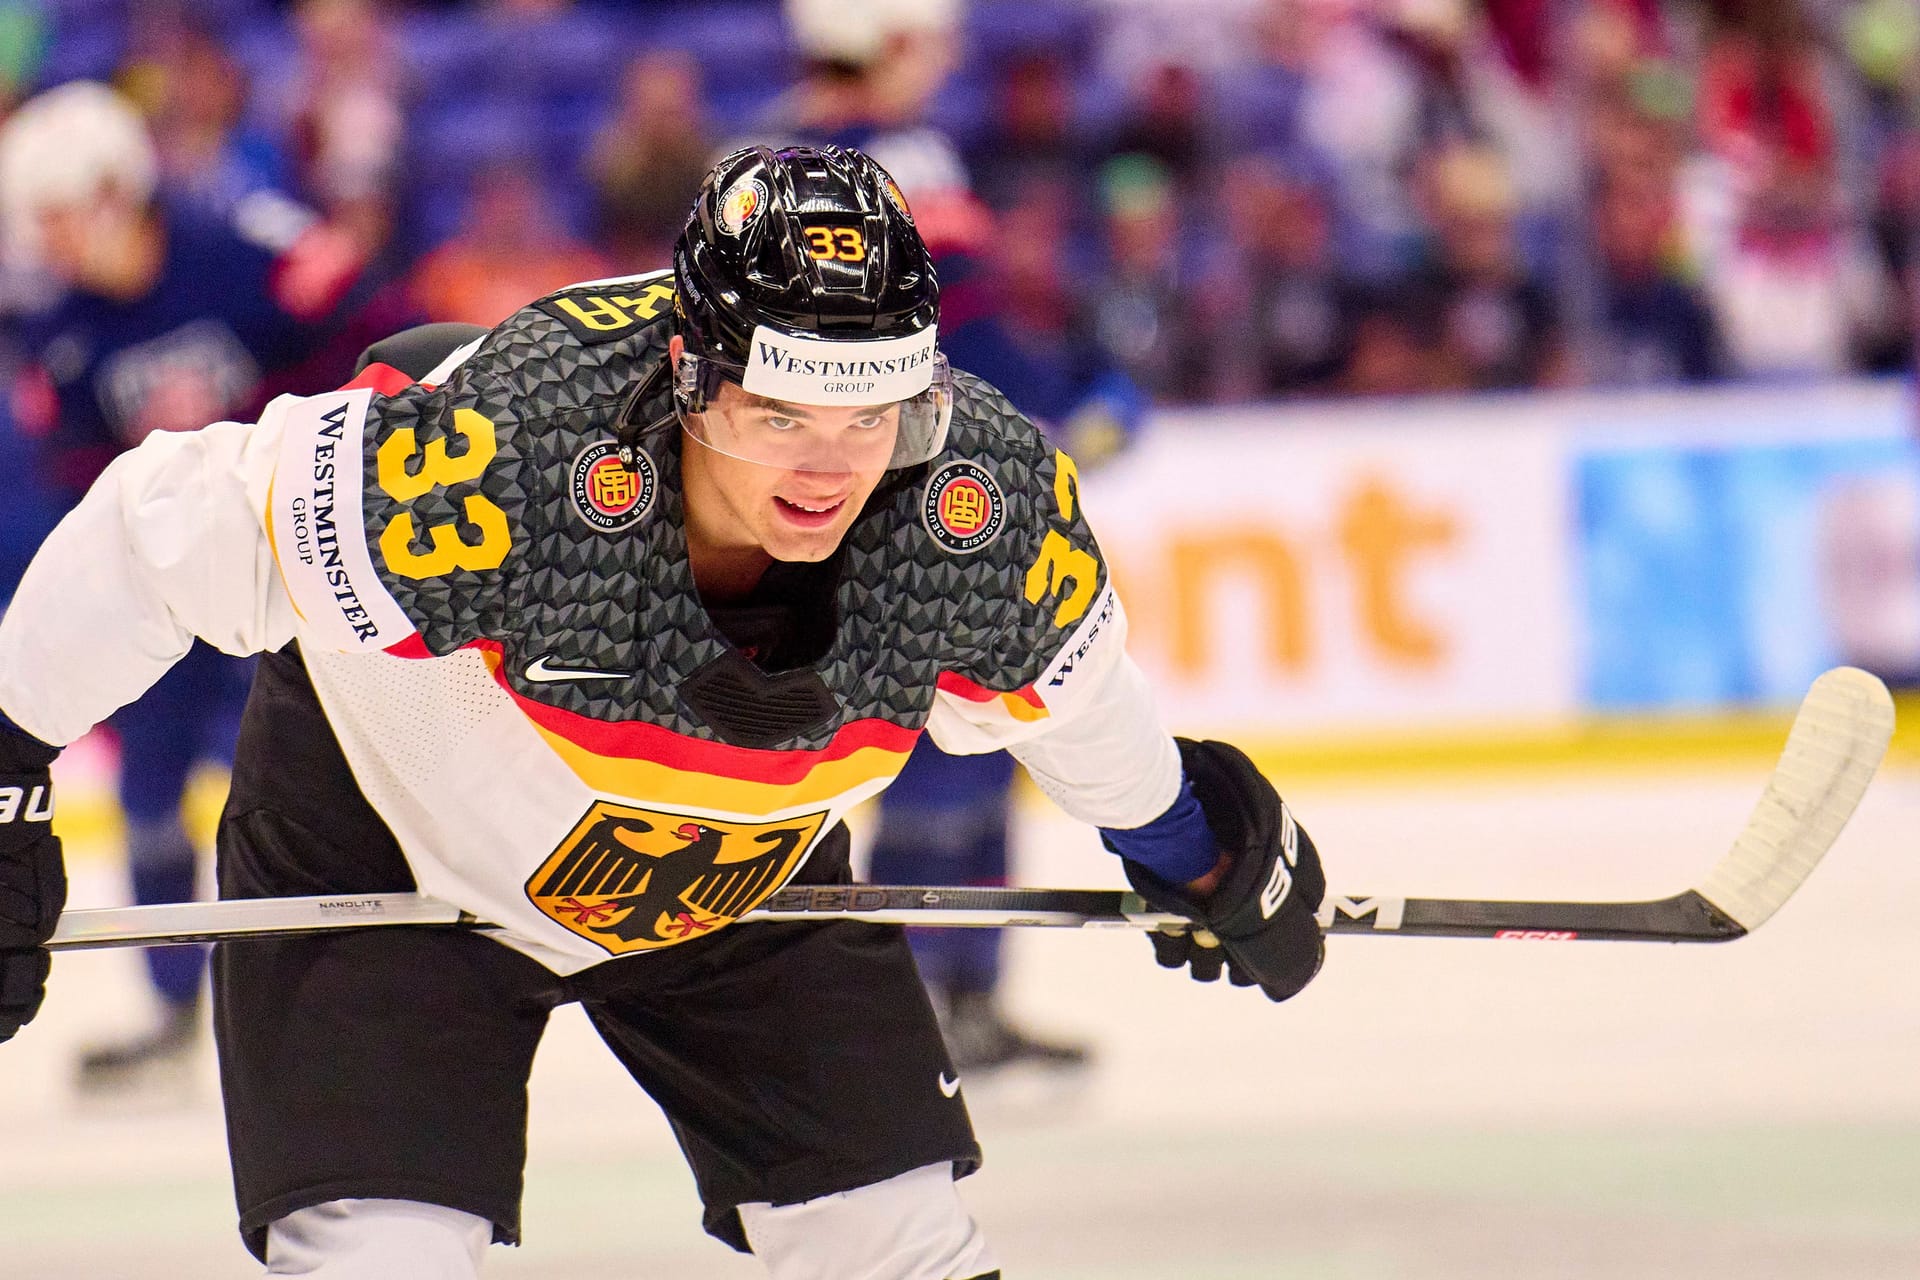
(783, 366)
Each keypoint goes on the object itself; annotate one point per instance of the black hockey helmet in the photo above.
(800, 277)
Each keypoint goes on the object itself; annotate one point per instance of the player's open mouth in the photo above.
(809, 514)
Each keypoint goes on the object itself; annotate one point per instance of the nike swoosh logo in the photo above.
(542, 672)
(949, 1086)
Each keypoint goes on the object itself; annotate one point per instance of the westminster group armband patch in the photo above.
(315, 523)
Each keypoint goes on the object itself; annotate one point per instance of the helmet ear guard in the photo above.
(696, 383)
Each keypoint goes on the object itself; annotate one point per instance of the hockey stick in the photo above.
(1836, 743)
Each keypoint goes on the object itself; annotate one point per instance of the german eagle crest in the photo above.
(640, 879)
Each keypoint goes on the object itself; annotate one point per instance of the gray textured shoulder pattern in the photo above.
(999, 613)
(568, 595)
(539, 395)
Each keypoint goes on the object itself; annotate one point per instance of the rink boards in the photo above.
(1514, 565)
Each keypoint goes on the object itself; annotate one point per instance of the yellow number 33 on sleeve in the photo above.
(436, 469)
(1062, 569)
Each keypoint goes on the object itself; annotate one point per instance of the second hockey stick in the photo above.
(1837, 741)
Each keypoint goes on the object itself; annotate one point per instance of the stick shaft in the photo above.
(1836, 743)
(246, 918)
(1686, 918)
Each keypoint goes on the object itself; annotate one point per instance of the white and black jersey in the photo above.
(501, 625)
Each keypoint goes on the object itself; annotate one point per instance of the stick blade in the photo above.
(1837, 741)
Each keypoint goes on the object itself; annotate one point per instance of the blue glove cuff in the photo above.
(1177, 846)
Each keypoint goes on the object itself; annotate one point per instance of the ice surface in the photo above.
(1429, 1108)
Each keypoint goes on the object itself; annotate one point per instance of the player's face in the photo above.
(85, 242)
(65, 231)
(796, 508)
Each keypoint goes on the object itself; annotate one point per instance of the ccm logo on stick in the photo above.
(1537, 935)
(1387, 913)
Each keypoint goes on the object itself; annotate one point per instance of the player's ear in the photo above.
(676, 347)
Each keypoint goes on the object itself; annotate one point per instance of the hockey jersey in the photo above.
(501, 623)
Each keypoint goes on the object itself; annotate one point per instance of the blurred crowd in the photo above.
(206, 202)
(1229, 200)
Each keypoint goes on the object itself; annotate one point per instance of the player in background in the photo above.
(872, 69)
(599, 625)
(167, 319)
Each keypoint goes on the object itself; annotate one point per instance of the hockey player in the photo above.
(600, 623)
(168, 321)
(871, 70)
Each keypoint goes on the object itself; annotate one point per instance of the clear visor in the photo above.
(724, 416)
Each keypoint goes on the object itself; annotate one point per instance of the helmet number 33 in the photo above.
(836, 244)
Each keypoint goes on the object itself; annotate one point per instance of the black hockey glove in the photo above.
(1259, 921)
(33, 882)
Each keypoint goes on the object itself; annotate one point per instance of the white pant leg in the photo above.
(912, 1227)
(378, 1240)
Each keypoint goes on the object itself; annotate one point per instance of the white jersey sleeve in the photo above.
(241, 535)
(167, 545)
(1087, 730)
(171, 543)
(1050, 681)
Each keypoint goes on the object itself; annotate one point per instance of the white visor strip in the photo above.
(818, 371)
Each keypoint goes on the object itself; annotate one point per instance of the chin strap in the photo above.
(633, 421)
